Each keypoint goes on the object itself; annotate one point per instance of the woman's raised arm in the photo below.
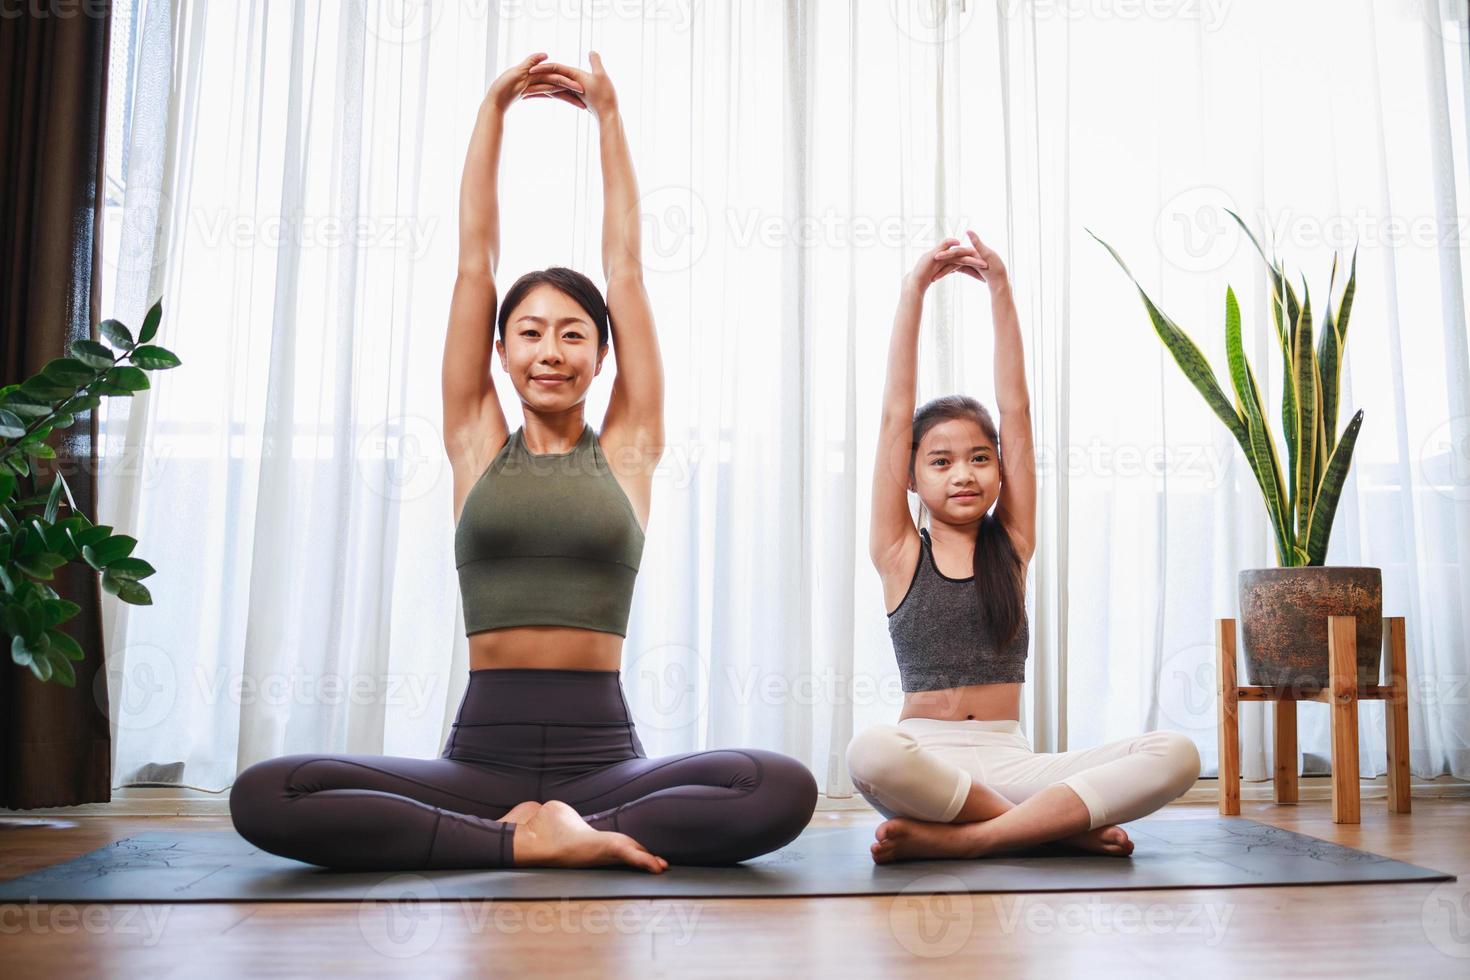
(474, 425)
(635, 409)
(891, 525)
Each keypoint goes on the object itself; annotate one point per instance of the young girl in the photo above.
(544, 766)
(956, 776)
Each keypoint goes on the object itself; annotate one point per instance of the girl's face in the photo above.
(956, 471)
(550, 350)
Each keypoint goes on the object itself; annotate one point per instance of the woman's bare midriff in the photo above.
(545, 647)
(975, 702)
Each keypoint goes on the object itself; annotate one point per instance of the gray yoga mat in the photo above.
(1214, 852)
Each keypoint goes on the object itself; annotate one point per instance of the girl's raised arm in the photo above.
(891, 532)
(1016, 508)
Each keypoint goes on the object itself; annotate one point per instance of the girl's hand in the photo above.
(516, 80)
(994, 273)
(951, 255)
(594, 90)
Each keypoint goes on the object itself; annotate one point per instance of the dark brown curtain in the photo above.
(55, 747)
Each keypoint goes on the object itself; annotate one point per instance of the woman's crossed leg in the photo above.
(390, 812)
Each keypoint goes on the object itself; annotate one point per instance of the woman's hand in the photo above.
(593, 92)
(518, 79)
(951, 255)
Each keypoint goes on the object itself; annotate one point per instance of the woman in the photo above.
(544, 767)
(956, 776)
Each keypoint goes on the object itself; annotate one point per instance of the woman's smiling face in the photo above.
(956, 471)
(550, 349)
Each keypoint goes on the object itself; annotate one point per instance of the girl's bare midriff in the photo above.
(545, 647)
(976, 702)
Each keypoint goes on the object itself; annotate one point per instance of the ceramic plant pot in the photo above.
(1283, 617)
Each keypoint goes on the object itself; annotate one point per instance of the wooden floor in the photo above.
(1406, 930)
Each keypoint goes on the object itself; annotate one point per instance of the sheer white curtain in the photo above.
(1324, 125)
(291, 176)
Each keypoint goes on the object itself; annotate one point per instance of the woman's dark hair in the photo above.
(998, 581)
(569, 281)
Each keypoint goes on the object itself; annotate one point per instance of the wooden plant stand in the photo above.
(1343, 693)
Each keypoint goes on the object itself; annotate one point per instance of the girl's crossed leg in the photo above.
(969, 788)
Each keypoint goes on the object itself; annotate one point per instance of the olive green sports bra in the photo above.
(548, 540)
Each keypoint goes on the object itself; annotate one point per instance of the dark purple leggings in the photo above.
(523, 735)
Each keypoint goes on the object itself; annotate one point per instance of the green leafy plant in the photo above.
(1302, 500)
(33, 542)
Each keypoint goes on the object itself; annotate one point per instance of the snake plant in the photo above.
(1301, 500)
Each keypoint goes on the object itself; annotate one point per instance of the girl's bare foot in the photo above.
(1108, 839)
(556, 836)
(904, 839)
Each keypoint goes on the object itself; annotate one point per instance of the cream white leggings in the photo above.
(923, 767)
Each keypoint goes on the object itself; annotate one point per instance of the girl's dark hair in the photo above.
(998, 581)
(569, 281)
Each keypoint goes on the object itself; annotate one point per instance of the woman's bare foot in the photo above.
(1108, 839)
(556, 836)
(521, 812)
(904, 839)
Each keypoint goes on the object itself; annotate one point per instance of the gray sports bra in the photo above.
(937, 635)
